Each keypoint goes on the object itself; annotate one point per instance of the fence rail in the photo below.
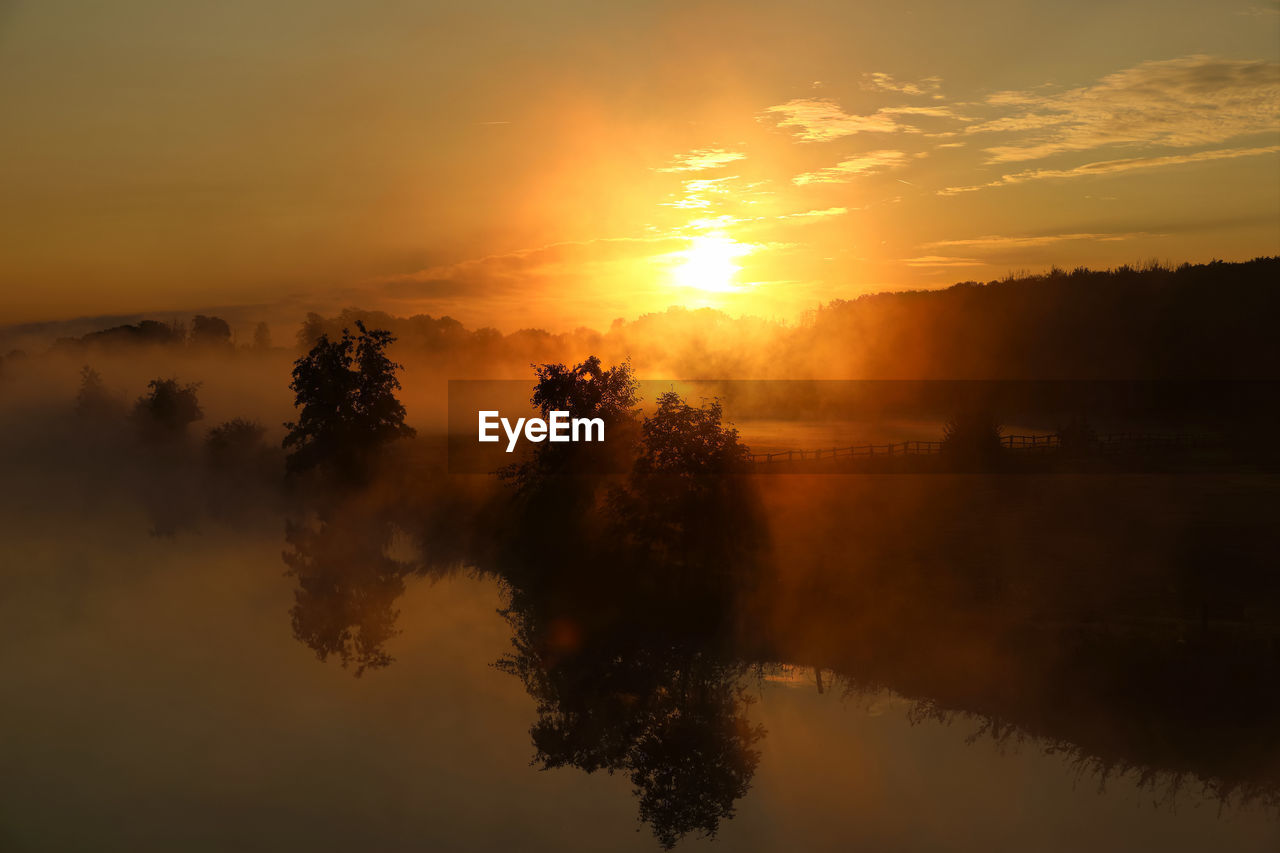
(1107, 443)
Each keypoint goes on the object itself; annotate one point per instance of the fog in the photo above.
(194, 631)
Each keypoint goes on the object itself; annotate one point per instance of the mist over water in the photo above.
(206, 657)
(159, 677)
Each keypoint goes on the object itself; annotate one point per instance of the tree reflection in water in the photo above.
(639, 604)
(621, 593)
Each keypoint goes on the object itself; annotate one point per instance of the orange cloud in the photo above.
(1105, 167)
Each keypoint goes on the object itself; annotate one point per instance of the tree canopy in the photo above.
(345, 391)
(167, 409)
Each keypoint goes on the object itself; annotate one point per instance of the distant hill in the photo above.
(1212, 321)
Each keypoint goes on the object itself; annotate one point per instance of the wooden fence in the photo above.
(1109, 443)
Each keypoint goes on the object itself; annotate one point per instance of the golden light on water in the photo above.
(710, 263)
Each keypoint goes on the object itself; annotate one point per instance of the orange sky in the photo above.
(565, 163)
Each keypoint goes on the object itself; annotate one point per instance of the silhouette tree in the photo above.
(345, 393)
(210, 332)
(560, 487)
(689, 441)
(167, 409)
(585, 390)
(695, 521)
(235, 443)
(262, 337)
(93, 401)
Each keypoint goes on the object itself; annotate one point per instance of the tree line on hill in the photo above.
(1201, 321)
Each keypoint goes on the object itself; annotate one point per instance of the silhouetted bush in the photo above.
(235, 443)
(211, 332)
(167, 409)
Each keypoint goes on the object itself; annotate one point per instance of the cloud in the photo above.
(879, 81)
(729, 195)
(942, 261)
(845, 170)
(697, 192)
(821, 119)
(816, 214)
(1107, 167)
(701, 159)
(1024, 242)
(996, 243)
(1195, 100)
(513, 271)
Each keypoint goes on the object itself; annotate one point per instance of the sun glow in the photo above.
(710, 263)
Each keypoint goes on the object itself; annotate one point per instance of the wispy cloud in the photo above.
(816, 214)
(845, 170)
(932, 112)
(698, 192)
(701, 159)
(994, 244)
(821, 119)
(879, 81)
(1106, 167)
(1195, 100)
(941, 261)
(1029, 241)
(512, 271)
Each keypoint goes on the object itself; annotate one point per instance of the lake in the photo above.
(157, 698)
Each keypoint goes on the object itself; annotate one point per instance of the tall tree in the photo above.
(689, 507)
(586, 390)
(262, 336)
(345, 393)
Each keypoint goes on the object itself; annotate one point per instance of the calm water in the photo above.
(156, 699)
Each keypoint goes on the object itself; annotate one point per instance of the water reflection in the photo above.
(641, 662)
(642, 606)
(671, 716)
(344, 605)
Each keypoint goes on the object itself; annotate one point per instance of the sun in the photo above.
(710, 263)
